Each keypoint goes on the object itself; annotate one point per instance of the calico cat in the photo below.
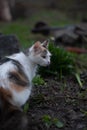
(17, 72)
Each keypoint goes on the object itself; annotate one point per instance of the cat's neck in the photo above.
(32, 66)
(29, 66)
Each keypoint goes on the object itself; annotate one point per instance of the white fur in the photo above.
(19, 99)
(29, 64)
(37, 59)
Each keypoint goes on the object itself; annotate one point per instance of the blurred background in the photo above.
(13, 9)
(24, 17)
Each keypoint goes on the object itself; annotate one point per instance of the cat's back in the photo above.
(20, 57)
(5, 66)
(8, 62)
(14, 83)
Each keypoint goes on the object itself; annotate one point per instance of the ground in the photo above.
(63, 101)
(59, 100)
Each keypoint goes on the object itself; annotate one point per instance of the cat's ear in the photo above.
(45, 43)
(36, 46)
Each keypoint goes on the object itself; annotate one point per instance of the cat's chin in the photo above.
(45, 65)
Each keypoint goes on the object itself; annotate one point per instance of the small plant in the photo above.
(84, 112)
(58, 123)
(38, 80)
(78, 79)
(62, 62)
(48, 120)
(26, 108)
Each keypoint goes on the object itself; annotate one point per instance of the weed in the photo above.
(62, 63)
(78, 79)
(26, 107)
(38, 80)
(48, 120)
(58, 123)
(84, 112)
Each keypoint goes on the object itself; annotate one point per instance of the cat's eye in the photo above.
(44, 57)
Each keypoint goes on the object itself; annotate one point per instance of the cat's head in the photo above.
(39, 53)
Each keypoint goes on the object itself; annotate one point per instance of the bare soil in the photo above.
(63, 100)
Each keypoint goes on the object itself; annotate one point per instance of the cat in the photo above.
(17, 72)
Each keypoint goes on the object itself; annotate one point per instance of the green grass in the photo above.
(62, 62)
(19, 29)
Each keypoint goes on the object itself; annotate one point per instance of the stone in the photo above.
(9, 44)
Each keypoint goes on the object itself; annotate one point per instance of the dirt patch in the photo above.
(61, 100)
(64, 101)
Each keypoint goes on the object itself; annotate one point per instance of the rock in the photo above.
(41, 27)
(69, 35)
(9, 44)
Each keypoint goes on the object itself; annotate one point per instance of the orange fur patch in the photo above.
(18, 80)
(20, 83)
(17, 88)
(39, 48)
(5, 94)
